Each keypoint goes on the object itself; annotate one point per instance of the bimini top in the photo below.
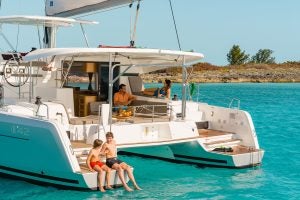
(125, 56)
(42, 20)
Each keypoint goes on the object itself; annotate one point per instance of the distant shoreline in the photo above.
(251, 73)
(207, 73)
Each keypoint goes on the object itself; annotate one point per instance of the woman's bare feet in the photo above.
(102, 189)
(137, 187)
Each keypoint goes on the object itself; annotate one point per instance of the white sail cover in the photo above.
(66, 8)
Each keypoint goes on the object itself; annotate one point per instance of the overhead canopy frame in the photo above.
(42, 21)
(126, 56)
(49, 23)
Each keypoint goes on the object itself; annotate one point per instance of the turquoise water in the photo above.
(275, 109)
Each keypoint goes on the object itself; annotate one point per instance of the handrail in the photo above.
(65, 76)
(100, 122)
(147, 110)
(39, 109)
(231, 104)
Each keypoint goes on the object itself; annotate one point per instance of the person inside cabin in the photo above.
(175, 98)
(122, 98)
(110, 148)
(33, 49)
(94, 164)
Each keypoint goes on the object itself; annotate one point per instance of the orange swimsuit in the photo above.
(93, 164)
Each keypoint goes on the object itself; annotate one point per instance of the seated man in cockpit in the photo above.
(123, 99)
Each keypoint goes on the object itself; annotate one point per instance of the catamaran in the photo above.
(49, 124)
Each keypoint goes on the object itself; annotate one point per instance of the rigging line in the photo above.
(17, 42)
(175, 25)
(131, 20)
(132, 42)
(45, 7)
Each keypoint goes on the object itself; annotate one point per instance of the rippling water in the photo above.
(275, 109)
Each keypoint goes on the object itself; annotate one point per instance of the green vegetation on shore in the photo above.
(261, 67)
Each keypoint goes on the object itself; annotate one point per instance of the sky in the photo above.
(210, 27)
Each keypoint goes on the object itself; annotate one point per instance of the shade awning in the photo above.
(125, 56)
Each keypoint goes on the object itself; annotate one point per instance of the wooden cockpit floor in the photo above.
(80, 144)
(210, 133)
(84, 168)
(240, 149)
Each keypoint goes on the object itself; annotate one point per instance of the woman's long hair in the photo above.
(168, 83)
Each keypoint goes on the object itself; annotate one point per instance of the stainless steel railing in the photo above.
(140, 114)
(234, 103)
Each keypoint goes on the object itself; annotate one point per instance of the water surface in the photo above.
(275, 109)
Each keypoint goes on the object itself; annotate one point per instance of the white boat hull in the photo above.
(39, 151)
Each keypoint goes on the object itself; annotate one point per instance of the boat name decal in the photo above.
(18, 130)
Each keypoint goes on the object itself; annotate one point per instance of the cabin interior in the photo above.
(87, 96)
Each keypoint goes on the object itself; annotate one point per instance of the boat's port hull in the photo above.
(78, 183)
(39, 151)
(72, 182)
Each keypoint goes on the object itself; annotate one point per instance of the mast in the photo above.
(50, 37)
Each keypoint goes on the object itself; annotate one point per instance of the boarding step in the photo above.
(81, 159)
(209, 135)
(81, 154)
(241, 149)
(216, 139)
(81, 151)
(222, 143)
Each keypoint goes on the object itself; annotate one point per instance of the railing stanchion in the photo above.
(152, 113)
(133, 112)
